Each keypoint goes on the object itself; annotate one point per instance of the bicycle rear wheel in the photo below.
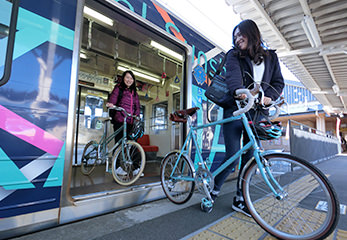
(177, 182)
(89, 157)
(127, 170)
(295, 216)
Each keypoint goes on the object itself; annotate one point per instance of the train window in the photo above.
(93, 109)
(142, 112)
(176, 101)
(159, 120)
(8, 22)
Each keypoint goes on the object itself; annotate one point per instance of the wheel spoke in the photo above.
(123, 169)
(89, 157)
(177, 179)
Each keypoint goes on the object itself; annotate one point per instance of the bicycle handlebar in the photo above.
(250, 103)
(277, 113)
(124, 111)
(250, 96)
(277, 105)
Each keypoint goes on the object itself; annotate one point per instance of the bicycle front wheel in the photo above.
(128, 167)
(298, 214)
(89, 157)
(177, 178)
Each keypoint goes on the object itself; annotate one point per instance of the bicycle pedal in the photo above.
(205, 208)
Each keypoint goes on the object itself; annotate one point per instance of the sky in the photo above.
(213, 19)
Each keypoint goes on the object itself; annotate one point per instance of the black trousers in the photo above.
(233, 131)
(116, 126)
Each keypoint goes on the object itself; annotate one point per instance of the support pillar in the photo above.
(320, 122)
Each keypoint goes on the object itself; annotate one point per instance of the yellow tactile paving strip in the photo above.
(237, 226)
(341, 234)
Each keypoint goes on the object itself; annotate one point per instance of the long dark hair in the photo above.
(122, 83)
(255, 50)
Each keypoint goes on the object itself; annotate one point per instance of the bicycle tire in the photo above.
(89, 157)
(295, 216)
(172, 187)
(134, 151)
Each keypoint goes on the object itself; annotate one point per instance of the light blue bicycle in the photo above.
(281, 191)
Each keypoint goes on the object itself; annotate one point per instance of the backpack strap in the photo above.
(242, 72)
(221, 65)
(112, 112)
(120, 96)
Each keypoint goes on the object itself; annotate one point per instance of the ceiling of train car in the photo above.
(311, 40)
(108, 47)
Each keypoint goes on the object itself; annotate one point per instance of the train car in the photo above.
(59, 61)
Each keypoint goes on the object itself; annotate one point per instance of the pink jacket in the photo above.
(128, 101)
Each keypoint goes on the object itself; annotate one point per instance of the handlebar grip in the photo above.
(277, 113)
(118, 108)
(249, 104)
(122, 110)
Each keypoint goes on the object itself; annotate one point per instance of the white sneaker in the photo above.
(120, 171)
(136, 171)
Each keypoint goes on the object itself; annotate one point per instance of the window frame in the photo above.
(10, 43)
(154, 125)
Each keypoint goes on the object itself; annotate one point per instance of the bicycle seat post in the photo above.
(189, 121)
(105, 127)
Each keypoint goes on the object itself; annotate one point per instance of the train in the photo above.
(59, 61)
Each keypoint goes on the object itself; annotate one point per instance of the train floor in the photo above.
(162, 219)
(100, 180)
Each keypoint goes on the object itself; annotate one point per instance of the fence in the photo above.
(311, 144)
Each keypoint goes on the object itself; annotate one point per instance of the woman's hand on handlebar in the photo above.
(241, 96)
(109, 105)
(267, 101)
(248, 106)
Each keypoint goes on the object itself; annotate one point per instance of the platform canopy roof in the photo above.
(311, 40)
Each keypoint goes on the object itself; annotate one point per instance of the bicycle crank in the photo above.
(204, 180)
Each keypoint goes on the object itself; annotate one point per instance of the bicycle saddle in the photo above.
(181, 115)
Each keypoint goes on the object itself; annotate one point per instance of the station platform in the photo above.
(164, 220)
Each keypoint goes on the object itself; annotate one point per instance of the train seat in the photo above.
(150, 150)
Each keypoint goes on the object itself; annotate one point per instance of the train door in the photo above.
(36, 48)
(111, 44)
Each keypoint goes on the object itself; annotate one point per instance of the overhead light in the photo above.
(167, 50)
(94, 14)
(311, 31)
(139, 74)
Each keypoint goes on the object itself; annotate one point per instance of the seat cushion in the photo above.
(150, 148)
(144, 140)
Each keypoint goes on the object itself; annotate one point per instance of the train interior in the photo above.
(111, 44)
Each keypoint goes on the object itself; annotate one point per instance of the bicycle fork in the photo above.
(262, 164)
(265, 171)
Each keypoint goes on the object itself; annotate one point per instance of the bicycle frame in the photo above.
(191, 139)
(104, 141)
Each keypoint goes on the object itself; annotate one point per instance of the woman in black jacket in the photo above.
(246, 63)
